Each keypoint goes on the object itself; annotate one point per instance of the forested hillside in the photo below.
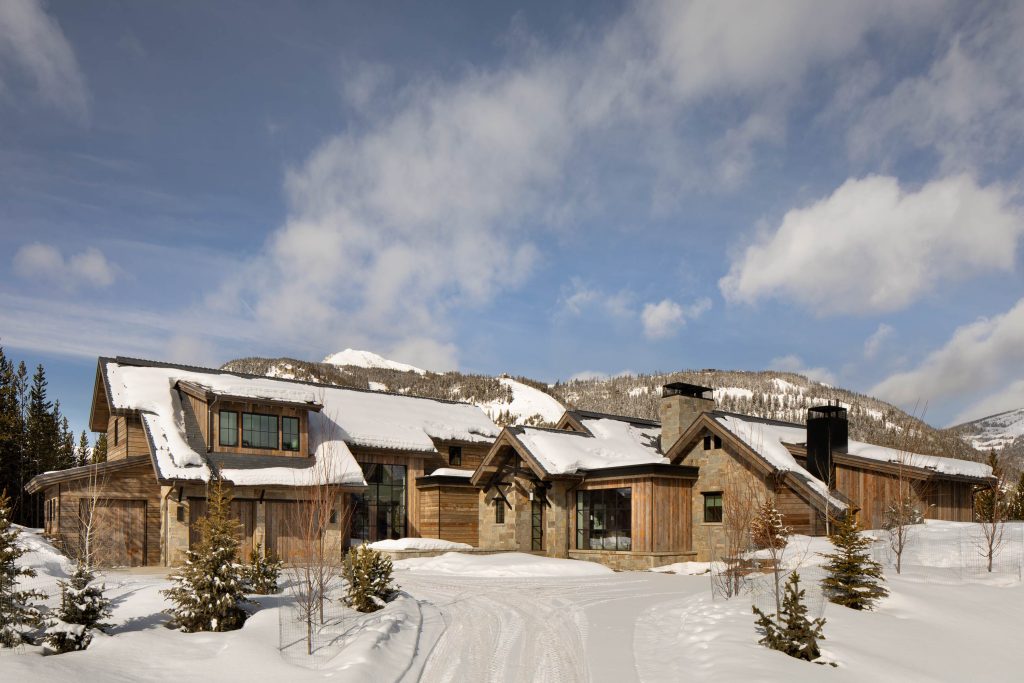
(776, 395)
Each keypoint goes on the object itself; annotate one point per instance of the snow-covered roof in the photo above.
(768, 439)
(950, 466)
(610, 443)
(348, 418)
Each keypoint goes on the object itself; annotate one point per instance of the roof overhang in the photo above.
(42, 481)
(207, 394)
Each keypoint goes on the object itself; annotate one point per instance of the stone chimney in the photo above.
(681, 405)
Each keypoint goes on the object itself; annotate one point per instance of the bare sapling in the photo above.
(769, 534)
(991, 511)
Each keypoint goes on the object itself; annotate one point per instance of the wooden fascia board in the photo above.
(491, 455)
(689, 437)
(884, 467)
(42, 481)
(705, 421)
(202, 393)
(569, 422)
(100, 384)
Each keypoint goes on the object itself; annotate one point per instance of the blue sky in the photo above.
(548, 190)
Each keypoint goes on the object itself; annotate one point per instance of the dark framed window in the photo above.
(289, 433)
(334, 516)
(499, 511)
(707, 443)
(536, 524)
(228, 428)
(379, 513)
(259, 431)
(181, 513)
(455, 455)
(718, 441)
(117, 431)
(713, 507)
(604, 519)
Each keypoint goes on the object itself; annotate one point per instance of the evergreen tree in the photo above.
(987, 500)
(1015, 501)
(792, 632)
(82, 452)
(41, 445)
(65, 456)
(18, 613)
(82, 608)
(209, 591)
(11, 432)
(99, 449)
(262, 572)
(368, 573)
(854, 580)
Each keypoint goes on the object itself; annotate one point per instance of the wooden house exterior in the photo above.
(256, 435)
(676, 509)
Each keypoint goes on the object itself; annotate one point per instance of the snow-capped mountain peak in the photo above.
(995, 431)
(368, 359)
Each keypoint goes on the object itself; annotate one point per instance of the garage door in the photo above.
(119, 531)
(286, 528)
(242, 510)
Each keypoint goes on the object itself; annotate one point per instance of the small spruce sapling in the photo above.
(209, 591)
(769, 533)
(368, 573)
(263, 572)
(854, 580)
(792, 632)
(18, 612)
(82, 608)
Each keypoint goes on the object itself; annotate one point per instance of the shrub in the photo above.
(368, 574)
(82, 608)
(262, 572)
(791, 631)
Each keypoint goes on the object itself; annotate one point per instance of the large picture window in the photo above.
(289, 433)
(604, 519)
(379, 513)
(259, 431)
(228, 428)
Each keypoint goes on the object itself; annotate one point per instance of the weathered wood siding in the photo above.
(472, 455)
(797, 513)
(129, 519)
(450, 513)
(262, 409)
(671, 514)
(874, 492)
(131, 438)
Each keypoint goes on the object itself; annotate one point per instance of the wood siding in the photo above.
(797, 513)
(450, 513)
(873, 492)
(131, 437)
(242, 510)
(262, 409)
(130, 515)
(660, 512)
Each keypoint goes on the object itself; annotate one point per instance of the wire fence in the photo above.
(311, 634)
(969, 551)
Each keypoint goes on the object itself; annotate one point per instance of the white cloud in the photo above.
(980, 357)
(578, 298)
(873, 344)
(969, 105)
(33, 44)
(872, 246)
(665, 318)
(426, 353)
(1009, 398)
(44, 262)
(795, 364)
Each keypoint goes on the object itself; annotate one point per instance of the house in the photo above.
(398, 465)
(634, 493)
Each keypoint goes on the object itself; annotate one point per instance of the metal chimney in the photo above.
(827, 431)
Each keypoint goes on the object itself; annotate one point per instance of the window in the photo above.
(718, 441)
(334, 516)
(117, 431)
(228, 428)
(713, 507)
(181, 513)
(259, 431)
(455, 455)
(536, 524)
(604, 519)
(499, 511)
(707, 443)
(379, 513)
(289, 433)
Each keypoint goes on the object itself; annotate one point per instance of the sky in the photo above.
(553, 189)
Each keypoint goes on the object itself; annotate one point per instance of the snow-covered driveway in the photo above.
(532, 629)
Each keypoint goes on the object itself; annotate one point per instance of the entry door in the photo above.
(536, 524)
(380, 513)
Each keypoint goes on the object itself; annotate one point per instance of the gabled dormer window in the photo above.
(455, 455)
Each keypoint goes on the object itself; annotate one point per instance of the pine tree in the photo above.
(792, 632)
(82, 608)
(65, 456)
(82, 452)
(11, 432)
(1015, 501)
(209, 591)
(263, 572)
(987, 500)
(42, 438)
(99, 449)
(368, 574)
(854, 580)
(18, 613)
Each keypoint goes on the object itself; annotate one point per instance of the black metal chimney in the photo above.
(827, 431)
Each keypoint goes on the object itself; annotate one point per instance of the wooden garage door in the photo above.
(242, 510)
(119, 532)
(285, 528)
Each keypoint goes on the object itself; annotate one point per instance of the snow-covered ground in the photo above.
(523, 618)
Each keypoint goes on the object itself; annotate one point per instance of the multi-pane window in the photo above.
(455, 455)
(536, 524)
(259, 431)
(604, 519)
(499, 511)
(228, 428)
(379, 512)
(713, 507)
(289, 433)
